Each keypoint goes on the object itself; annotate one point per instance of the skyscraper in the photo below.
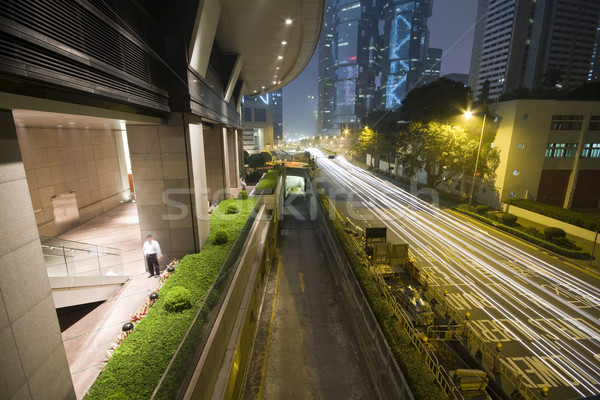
(371, 53)
(431, 66)
(524, 43)
(356, 60)
(406, 42)
(326, 94)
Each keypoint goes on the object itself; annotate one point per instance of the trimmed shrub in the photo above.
(564, 242)
(256, 161)
(551, 232)
(266, 155)
(232, 209)
(221, 236)
(242, 195)
(578, 254)
(157, 336)
(178, 299)
(481, 209)
(507, 219)
(562, 214)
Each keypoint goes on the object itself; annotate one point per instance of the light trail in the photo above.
(468, 258)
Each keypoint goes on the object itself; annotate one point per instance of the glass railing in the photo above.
(70, 258)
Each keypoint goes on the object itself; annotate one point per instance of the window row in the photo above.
(260, 114)
(573, 123)
(558, 150)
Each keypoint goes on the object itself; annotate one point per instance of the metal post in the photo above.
(62, 243)
(477, 159)
(594, 247)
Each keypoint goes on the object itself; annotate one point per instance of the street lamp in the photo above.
(468, 114)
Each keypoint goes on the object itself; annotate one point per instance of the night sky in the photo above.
(451, 26)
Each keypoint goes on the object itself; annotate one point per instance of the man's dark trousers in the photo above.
(153, 267)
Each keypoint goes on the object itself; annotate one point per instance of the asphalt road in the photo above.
(545, 312)
(305, 347)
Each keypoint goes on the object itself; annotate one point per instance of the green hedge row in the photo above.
(418, 376)
(268, 183)
(138, 364)
(562, 214)
(580, 255)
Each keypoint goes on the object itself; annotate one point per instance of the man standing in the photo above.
(153, 254)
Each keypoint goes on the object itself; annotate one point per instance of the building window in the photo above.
(260, 115)
(554, 150)
(247, 114)
(591, 150)
(566, 122)
(594, 123)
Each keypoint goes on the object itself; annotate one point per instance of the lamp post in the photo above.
(468, 114)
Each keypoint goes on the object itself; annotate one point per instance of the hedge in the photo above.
(582, 220)
(577, 254)
(418, 375)
(138, 364)
(268, 183)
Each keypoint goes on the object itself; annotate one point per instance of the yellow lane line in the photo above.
(264, 367)
(302, 285)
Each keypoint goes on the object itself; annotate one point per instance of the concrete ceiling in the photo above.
(255, 29)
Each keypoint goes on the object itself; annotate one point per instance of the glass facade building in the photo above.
(371, 53)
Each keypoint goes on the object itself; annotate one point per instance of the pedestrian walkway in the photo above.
(89, 331)
(305, 348)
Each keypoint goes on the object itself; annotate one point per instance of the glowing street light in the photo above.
(468, 114)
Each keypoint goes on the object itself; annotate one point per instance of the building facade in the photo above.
(523, 43)
(79, 77)
(371, 53)
(431, 66)
(263, 121)
(406, 43)
(549, 152)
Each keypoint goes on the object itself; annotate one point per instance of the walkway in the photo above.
(89, 331)
(305, 348)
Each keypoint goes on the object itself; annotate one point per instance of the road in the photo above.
(545, 313)
(305, 347)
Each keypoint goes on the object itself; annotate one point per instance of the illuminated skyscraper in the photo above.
(406, 40)
(371, 53)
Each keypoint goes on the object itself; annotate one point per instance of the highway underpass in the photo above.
(544, 312)
(305, 347)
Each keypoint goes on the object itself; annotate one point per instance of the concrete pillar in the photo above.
(233, 158)
(216, 156)
(168, 171)
(34, 364)
(571, 185)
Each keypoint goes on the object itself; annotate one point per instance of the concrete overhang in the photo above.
(275, 39)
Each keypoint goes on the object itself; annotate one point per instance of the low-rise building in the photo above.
(549, 152)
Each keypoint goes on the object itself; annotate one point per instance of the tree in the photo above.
(256, 160)
(443, 151)
(266, 154)
(440, 101)
(246, 156)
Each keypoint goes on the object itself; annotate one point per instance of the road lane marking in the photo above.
(302, 286)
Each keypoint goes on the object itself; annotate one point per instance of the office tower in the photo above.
(326, 96)
(533, 44)
(406, 40)
(371, 53)
(277, 105)
(595, 65)
(263, 120)
(355, 60)
(431, 66)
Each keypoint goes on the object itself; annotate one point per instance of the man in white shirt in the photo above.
(153, 254)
